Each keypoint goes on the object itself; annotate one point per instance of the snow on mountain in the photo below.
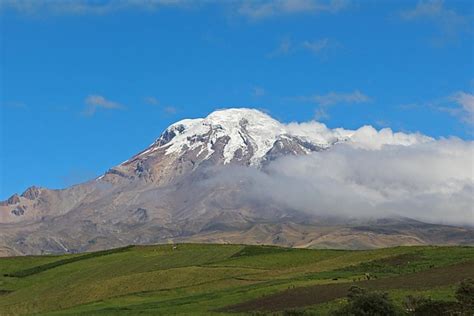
(253, 134)
(245, 129)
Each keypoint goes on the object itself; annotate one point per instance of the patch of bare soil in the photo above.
(318, 294)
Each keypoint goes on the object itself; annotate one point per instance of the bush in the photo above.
(420, 306)
(431, 307)
(465, 295)
(363, 303)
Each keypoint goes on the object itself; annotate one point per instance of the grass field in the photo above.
(207, 279)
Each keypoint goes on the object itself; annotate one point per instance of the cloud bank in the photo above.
(375, 174)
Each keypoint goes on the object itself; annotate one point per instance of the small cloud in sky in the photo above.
(463, 106)
(170, 110)
(318, 47)
(433, 9)
(321, 47)
(151, 101)
(265, 9)
(94, 102)
(258, 91)
(448, 20)
(459, 104)
(87, 7)
(325, 101)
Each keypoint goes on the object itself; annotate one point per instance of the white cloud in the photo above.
(434, 11)
(83, 7)
(316, 46)
(254, 9)
(367, 137)
(170, 110)
(460, 105)
(429, 9)
(465, 102)
(377, 174)
(319, 47)
(93, 102)
(264, 9)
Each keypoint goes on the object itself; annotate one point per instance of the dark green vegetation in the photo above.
(203, 279)
(363, 302)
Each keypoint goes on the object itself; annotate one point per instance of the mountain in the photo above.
(169, 193)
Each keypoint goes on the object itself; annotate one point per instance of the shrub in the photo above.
(364, 303)
(465, 295)
(420, 306)
(431, 307)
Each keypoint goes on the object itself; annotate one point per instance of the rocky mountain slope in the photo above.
(166, 193)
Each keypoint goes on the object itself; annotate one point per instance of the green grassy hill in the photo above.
(204, 279)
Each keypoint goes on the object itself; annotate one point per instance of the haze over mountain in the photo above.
(240, 176)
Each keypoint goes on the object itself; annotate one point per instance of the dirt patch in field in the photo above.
(318, 294)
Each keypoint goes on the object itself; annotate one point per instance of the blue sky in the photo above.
(85, 85)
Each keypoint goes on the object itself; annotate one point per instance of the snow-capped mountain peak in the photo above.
(241, 133)
(243, 129)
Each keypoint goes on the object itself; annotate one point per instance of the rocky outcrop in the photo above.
(12, 200)
(19, 210)
(32, 193)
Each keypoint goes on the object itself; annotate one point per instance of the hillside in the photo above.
(207, 279)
